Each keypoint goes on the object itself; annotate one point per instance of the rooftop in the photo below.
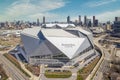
(58, 24)
(54, 32)
(57, 33)
(32, 31)
(80, 29)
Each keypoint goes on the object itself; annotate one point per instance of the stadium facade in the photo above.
(57, 46)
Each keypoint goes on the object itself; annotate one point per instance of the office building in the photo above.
(116, 27)
(96, 23)
(80, 22)
(79, 19)
(85, 19)
(88, 22)
(68, 19)
(43, 19)
(93, 21)
(38, 22)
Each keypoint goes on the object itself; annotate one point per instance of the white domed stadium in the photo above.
(53, 46)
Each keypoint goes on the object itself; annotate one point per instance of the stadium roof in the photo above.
(57, 33)
(66, 42)
(80, 29)
(68, 46)
(32, 31)
(60, 25)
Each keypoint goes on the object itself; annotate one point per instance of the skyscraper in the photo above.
(38, 22)
(116, 25)
(96, 23)
(68, 19)
(43, 19)
(85, 19)
(79, 19)
(88, 22)
(93, 21)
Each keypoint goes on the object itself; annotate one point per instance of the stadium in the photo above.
(58, 46)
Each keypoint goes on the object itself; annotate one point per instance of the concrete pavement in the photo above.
(42, 77)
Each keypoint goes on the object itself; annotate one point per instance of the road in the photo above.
(12, 70)
(104, 67)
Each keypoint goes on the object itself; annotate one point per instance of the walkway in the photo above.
(42, 77)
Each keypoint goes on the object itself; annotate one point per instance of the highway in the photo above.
(12, 70)
(96, 74)
(104, 66)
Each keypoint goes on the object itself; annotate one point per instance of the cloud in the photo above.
(33, 8)
(108, 16)
(100, 3)
(49, 16)
(103, 17)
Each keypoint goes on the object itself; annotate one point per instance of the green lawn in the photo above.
(84, 72)
(79, 77)
(58, 74)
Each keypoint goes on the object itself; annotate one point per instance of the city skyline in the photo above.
(58, 10)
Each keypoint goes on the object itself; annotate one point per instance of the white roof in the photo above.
(84, 31)
(63, 40)
(68, 46)
(80, 29)
(31, 31)
(61, 25)
(50, 25)
(65, 25)
(56, 33)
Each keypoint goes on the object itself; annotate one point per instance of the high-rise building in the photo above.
(85, 19)
(68, 19)
(43, 19)
(117, 18)
(2, 24)
(93, 21)
(38, 22)
(96, 23)
(88, 22)
(79, 19)
(116, 27)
